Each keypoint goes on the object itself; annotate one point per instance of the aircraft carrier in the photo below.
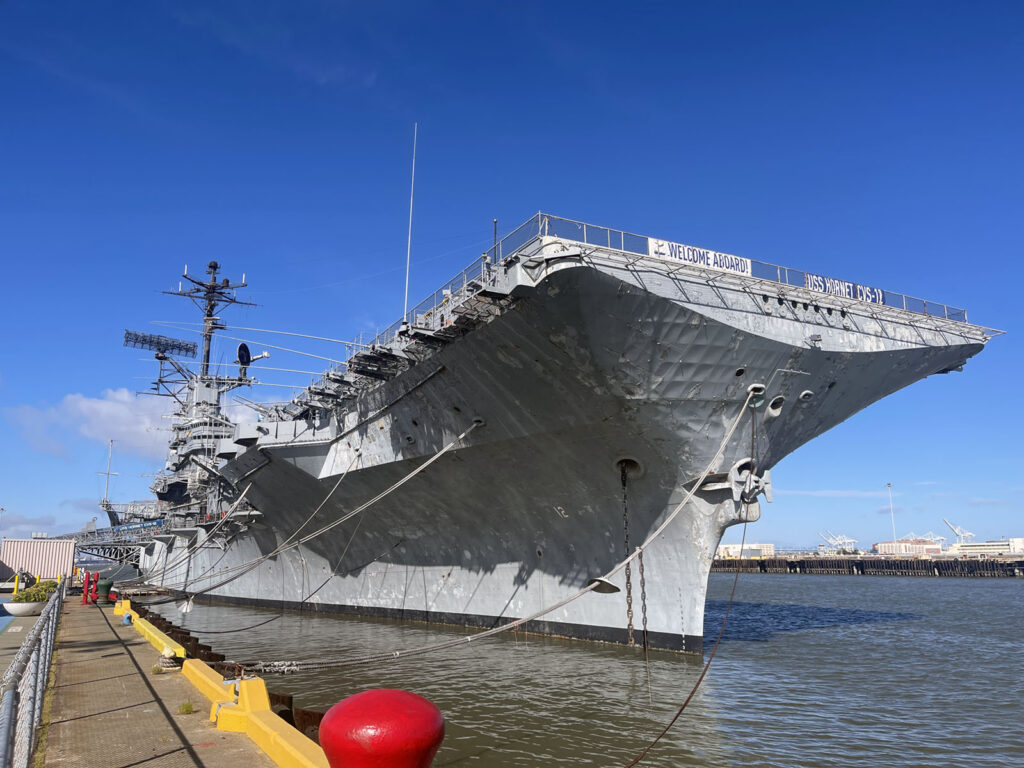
(525, 429)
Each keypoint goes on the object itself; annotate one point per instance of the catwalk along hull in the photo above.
(596, 361)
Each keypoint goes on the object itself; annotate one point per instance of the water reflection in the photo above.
(836, 671)
(759, 622)
(516, 700)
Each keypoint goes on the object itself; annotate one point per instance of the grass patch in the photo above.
(186, 709)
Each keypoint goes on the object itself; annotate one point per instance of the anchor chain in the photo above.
(643, 593)
(625, 549)
(643, 613)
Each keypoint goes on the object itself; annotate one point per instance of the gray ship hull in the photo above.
(591, 362)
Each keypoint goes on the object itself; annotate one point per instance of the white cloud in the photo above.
(988, 502)
(83, 506)
(135, 424)
(22, 526)
(263, 32)
(239, 412)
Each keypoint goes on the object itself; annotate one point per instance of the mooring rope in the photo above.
(286, 667)
(229, 631)
(728, 607)
(189, 551)
(245, 568)
(289, 544)
(707, 664)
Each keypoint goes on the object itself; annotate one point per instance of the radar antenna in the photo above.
(191, 490)
(210, 296)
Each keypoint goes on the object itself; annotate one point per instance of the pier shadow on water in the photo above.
(759, 622)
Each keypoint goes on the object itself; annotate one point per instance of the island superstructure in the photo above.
(569, 389)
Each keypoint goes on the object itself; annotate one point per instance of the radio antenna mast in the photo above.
(408, 245)
(209, 296)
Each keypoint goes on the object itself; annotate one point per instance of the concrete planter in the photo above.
(24, 609)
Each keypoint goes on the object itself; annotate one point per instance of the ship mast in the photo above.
(105, 504)
(192, 487)
(210, 296)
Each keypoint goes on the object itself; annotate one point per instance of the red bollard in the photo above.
(95, 585)
(85, 589)
(382, 728)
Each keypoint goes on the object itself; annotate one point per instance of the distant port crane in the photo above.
(932, 536)
(963, 536)
(839, 543)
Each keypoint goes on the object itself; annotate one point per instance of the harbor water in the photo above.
(811, 671)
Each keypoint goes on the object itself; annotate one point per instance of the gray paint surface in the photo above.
(583, 360)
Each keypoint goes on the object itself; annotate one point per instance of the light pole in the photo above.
(892, 517)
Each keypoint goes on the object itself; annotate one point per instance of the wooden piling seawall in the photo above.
(854, 566)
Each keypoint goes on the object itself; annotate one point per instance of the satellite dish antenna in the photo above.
(244, 359)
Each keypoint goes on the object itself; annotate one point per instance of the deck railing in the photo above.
(24, 685)
(482, 272)
(590, 234)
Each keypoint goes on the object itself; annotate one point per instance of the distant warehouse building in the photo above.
(908, 547)
(45, 558)
(749, 550)
(1014, 546)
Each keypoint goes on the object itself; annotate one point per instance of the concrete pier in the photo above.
(108, 710)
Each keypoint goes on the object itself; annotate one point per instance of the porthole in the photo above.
(774, 407)
(740, 371)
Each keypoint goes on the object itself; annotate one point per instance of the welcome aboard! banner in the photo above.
(724, 262)
(698, 257)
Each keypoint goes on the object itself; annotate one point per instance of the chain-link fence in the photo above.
(24, 685)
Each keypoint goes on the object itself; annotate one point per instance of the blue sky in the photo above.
(878, 143)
